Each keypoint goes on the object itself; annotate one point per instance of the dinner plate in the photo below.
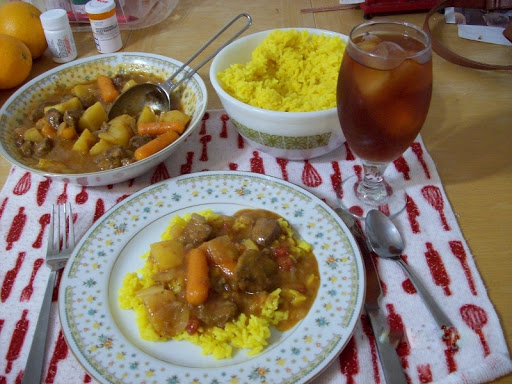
(105, 339)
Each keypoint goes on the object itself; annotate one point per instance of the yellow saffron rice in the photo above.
(290, 71)
(245, 332)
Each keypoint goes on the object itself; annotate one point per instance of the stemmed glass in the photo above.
(383, 95)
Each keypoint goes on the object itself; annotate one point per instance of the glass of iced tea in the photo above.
(383, 95)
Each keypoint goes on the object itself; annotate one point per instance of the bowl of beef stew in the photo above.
(57, 125)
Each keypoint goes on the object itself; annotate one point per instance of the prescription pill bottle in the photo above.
(78, 6)
(103, 19)
(58, 35)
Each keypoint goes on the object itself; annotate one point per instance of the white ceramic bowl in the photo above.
(288, 135)
(194, 99)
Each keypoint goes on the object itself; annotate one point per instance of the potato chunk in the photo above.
(93, 118)
(100, 147)
(33, 134)
(167, 315)
(147, 115)
(85, 142)
(168, 254)
(71, 104)
(128, 84)
(175, 115)
(86, 93)
(121, 130)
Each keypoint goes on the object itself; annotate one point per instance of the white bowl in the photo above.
(194, 99)
(288, 135)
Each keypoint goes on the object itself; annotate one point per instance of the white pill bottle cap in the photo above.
(54, 19)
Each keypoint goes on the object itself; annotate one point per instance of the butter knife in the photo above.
(390, 361)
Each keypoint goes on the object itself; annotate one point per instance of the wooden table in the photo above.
(467, 132)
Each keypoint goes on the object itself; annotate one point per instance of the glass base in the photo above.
(391, 204)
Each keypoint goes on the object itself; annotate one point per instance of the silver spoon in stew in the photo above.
(386, 242)
(157, 96)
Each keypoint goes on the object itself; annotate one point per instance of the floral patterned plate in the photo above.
(105, 339)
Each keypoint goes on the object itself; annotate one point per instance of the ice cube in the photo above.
(372, 83)
(368, 36)
(369, 41)
(389, 50)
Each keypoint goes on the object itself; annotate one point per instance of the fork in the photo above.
(61, 241)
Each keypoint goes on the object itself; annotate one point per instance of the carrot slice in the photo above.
(108, 91)
(160, 127)
(155, 145)
(48, 131)
(198, 281)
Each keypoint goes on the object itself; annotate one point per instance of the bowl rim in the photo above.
(275, 114)
(104, 173)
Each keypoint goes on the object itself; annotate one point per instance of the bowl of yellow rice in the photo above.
(279, 89)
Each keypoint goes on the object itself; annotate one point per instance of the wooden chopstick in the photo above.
(325, 9)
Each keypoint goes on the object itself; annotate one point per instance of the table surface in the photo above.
(467, 131)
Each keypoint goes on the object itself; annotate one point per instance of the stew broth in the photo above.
(247, 258)
(48, 138)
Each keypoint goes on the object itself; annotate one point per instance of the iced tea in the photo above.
(384, 91)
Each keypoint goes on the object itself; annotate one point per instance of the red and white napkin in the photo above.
(435, 249)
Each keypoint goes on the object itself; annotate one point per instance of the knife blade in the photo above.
(390, 361)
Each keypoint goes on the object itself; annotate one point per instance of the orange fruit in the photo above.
(21, 20)
(16, 62)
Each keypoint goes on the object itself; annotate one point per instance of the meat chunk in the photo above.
(217, 312)
(119, 81)
(220, 282)
(53, 117)
(197, 230)
(114, 157)
(139, 140)
(265, 231)
(43, 147)
(71, 117)
(256, 271)
(37, 112)
(26, 147)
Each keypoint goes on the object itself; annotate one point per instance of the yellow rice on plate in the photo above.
(290, 71)
(245, 332)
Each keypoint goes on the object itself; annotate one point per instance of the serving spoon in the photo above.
(157, 96)
(386, 241)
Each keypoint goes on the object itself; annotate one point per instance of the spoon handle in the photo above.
(169, 85)
(439, 316)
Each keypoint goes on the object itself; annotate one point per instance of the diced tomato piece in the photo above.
(281, 251)
(193, 325)
(283, 259)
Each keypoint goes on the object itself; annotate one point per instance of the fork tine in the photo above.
(64, 230)
(71, 230)
(51, 236)
(61, 215)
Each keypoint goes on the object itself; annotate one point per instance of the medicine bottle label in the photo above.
(107, 35)
(62, 49)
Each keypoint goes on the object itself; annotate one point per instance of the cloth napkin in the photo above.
(436, 250)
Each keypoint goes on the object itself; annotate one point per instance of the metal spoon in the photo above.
(157, 96)
(386, 241)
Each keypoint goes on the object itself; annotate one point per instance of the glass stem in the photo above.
(373, 188)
